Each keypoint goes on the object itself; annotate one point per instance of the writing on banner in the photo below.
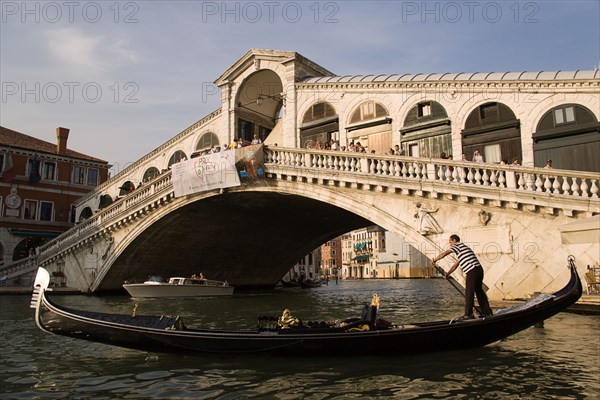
(208, 172)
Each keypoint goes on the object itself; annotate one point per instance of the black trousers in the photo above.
(475, 287)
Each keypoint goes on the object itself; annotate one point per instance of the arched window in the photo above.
(426, 131)
(493, 129)
(370, 109)
(207, 140)
(318, 111)
(371, 126)
(85, 214)
(126, 188)
(150, 174)
(177, 157)
(320, 123)
(569, 136)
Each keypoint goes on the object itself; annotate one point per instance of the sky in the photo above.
(126, 76)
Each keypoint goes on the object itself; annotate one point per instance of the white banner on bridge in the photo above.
(212, 171)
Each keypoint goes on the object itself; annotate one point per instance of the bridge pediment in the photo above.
(256, 59)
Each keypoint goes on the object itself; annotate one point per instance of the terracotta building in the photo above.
(39, 184)
(331, 257)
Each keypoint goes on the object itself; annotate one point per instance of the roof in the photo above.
(472, 76)
(18, 140)
(310, 67)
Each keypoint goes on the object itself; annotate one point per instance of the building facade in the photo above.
(331, 258)
(39, 185)
(374, 253)
(306, 269)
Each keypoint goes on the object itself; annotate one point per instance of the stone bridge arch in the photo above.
(260, 232)
(244, 233)
(254, 233)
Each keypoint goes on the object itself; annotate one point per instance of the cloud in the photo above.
(96, 53)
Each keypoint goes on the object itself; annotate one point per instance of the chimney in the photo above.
(62, 134)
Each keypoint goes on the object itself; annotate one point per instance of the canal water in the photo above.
(560, 360)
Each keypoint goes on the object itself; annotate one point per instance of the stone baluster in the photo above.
(448, 173)
(485, 178)
(462, 173)
(470, 176)
(387, 168)
(584, 188)
(411, 170)
(594, 189)
(539, 183)
(575, 187)
(493, 178)
(440, 172)
(404, 170)
(547, 184)
(565, 185)
(397, 168)
(418, 170)
(521, 182)
(477, 177)
(556, 186)
(455, 174)
(502, 179)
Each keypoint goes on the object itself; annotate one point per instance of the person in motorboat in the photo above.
(469, 263)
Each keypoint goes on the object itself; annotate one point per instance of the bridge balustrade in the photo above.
(160, 186)
(518, 178)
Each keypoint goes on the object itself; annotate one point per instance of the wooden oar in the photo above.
(456, 285)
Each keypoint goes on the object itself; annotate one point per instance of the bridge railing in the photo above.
(16, 268)
(159, 186)
(518, 178)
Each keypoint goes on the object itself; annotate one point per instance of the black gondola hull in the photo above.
(168, 334)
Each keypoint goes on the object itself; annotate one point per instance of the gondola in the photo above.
(287, 335)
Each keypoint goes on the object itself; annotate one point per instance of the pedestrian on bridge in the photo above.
(474, 281)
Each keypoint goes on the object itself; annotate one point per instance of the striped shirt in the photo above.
(467, 260)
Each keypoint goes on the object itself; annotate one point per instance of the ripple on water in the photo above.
(560, 360)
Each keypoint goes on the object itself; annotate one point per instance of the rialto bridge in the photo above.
(513, 216)
(251, 234)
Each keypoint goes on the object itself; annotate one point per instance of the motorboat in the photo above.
(179, 287)
(288, 335)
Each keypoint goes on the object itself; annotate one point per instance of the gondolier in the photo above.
(468, 262)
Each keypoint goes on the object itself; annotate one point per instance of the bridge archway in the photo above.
(259, 104)
(208, 233)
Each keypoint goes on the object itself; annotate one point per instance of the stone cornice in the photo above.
(459, 86)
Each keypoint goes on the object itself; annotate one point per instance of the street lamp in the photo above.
(280, 99)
